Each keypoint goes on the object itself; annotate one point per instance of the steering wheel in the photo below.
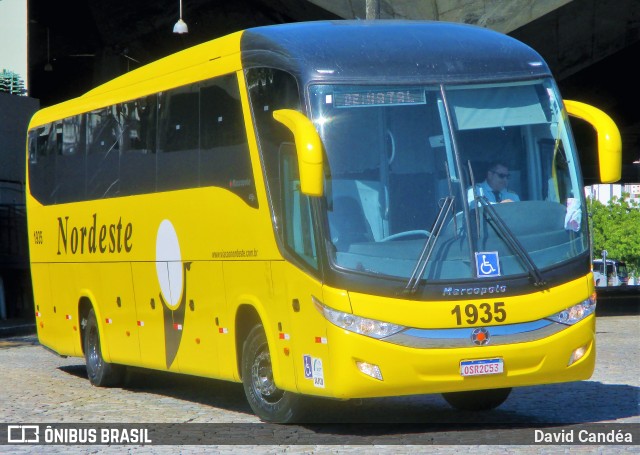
(399, 235)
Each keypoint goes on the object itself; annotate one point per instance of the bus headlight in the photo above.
(577, 312)
(364, 326)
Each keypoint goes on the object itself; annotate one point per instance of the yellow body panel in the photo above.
(117, 302)
(206, 303)
(54, 329)
(149, 313)
(430, 370)
(135, 328)
(306, 328)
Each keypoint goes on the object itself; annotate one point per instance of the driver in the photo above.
(494, 187)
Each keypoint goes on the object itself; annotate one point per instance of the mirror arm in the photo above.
(609, 141)
(308, 148)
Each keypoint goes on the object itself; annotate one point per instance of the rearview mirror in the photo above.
(609, 141)
(308, 149)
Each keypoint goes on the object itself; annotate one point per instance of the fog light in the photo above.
(577, 355)
(370, 370)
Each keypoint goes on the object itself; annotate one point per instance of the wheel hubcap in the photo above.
(262, 378)
(94, 346)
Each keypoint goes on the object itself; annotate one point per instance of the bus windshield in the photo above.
(494, 162)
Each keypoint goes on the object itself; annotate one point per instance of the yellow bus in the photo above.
(289, 207)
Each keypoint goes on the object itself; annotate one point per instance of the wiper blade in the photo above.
(512, 241)
(427, 248)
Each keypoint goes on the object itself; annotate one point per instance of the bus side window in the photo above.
(104, 132)
(138, 155)
(224, 151)
(70, 161)
(54, 141)
(178, 155)
(41, 162)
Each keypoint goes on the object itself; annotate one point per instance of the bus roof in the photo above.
(357, 51)
(390, 50)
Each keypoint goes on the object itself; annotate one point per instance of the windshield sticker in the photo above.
(313, 370)
(308, 374)
(574, 215)
(318, 373)
(487, 264)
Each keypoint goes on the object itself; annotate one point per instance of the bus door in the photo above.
(306, 330)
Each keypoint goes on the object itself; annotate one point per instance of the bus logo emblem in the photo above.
(480, 337)
(487, 264)
(172, 277)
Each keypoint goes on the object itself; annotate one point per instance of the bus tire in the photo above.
(100, 372)
(266, 400)
(477, 400)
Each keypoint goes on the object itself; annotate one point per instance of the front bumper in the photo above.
(408, 370)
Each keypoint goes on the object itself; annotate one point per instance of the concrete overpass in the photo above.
(589, 44)
(571, 34)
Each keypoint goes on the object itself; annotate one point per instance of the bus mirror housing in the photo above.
(609, 141)
(308, 149)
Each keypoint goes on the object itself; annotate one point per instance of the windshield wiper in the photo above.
(511, 240)
(427, 248)
(499, 225)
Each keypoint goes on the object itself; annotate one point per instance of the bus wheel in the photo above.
(267, 401)
(100, 373)
(477, 400)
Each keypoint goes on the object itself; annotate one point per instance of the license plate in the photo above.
(481, 367)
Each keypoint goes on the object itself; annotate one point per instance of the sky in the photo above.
(13, 37)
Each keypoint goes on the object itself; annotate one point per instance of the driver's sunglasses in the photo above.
(501, 175)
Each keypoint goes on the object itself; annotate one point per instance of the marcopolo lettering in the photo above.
(95, 237)
(497, 289)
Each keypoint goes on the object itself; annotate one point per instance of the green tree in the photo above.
(615, 227)
(11, 83)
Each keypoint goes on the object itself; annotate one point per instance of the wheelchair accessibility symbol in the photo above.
(487, 264)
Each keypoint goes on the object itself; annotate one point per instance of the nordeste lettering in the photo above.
(95, 237)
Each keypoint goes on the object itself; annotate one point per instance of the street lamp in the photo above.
(181, 26)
